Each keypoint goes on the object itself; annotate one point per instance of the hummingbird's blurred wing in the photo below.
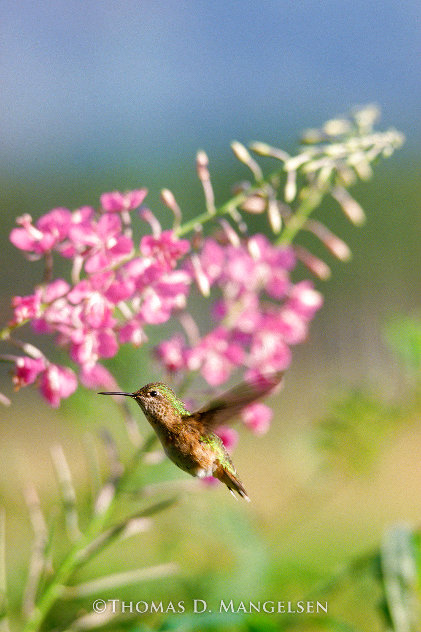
(228, 405)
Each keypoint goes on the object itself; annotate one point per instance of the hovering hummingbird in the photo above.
(188, 438)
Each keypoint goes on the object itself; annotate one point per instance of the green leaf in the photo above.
(399, 576)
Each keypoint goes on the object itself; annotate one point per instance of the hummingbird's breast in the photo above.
(183, 444)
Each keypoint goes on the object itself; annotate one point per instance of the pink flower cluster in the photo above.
(259, 314)
(55, 382)
(116, 290)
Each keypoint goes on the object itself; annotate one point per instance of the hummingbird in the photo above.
(188, 438)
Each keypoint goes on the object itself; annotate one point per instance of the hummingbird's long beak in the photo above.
(127, 394)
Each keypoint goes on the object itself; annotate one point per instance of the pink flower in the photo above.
(278, 257)
(116, 202)
(251, 266)
(278, 283)
(246, 313)
(131, 276)
(94, 310)
(132, 332)
(30, 307)
(55, 290)
(228, 436)
(97, 376)
(212, 259)
(82, 217)
(257, 265)
(82, 318)
(305, 300)
(257, 417)
(268, 350)
(87, 346)
(116, 292)
(50, 230)
(155, 309)
(242, 271)
(57, 383)
(216, 355)
(172, 353)
(59, 316)
(165, 249)
(160, 298)
(101, 242)
(293, 326)
(25, 308)
(27, 370)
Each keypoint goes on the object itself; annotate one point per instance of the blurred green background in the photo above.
(101, 96)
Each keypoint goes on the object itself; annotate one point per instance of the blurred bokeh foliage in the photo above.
(353, 432)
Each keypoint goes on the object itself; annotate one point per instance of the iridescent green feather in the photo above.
(218, 447)
(175, 402)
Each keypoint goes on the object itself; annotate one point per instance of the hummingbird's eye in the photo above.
(153, 393)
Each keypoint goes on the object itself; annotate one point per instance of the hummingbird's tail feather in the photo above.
(231, 481)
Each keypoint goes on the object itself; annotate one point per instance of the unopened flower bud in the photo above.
(350, 207)
(318, 267)
(241, 152)
(366, 117)
(312, 136)
(263, 149)
(147, 215)
(167, 197)
(290, 190)
(255, 204)
(333, 243)
(202, 163)
(337, 127)
(274, 216)
(201, 278)
(232, 236)
(244, 156)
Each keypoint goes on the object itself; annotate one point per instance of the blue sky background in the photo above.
(86, 82)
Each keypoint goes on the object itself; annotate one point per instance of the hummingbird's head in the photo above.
(157, 400)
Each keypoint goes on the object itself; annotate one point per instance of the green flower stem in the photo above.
(71, 561)
(301, 215)
(206, 217)
(295, 223)
(228, 206)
